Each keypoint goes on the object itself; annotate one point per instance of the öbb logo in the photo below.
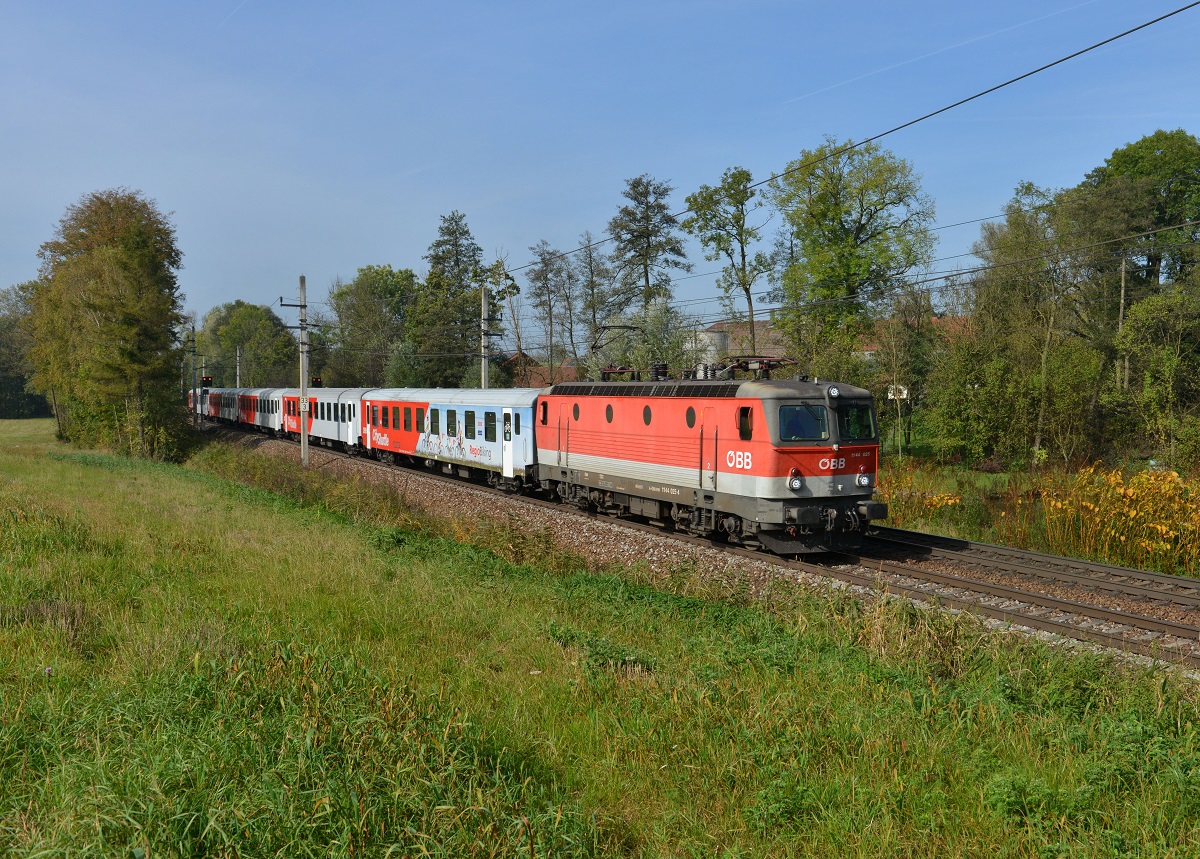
(831, 464)
(738, 459)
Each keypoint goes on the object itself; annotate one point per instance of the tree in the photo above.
(595, 274)
(1162, 334)
(721, 219)
(1165, 168)
(442, 334)
(268, 351)
(105, 318)
(554, 294)
(647, 245)
(16, 401)
(860, 224)
(369, 317)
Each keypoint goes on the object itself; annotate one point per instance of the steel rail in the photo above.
(1120, 581)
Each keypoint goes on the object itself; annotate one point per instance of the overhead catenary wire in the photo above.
(910, 123)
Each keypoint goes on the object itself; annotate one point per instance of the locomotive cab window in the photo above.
(856, 422)
(745, 420)
(803, 422)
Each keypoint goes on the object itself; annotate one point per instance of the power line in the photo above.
(849, 147)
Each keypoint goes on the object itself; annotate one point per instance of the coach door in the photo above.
(708, 449)
(506, 443)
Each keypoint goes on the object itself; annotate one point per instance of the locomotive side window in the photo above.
(608, 413)
(803, 423)
(746, 422)
(469, 424)
(646, 416)
(408, 418)
(489, 426)
(691, 417)
(575, 411)
(856, 422)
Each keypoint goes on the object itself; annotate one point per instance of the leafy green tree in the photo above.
(1162, 334)
(16, 400)
(269, 352)
(1165, 168)
(724, 219)
(443, 325)
(647, 245)
(105, 319)
(370, 314)
(859, 225)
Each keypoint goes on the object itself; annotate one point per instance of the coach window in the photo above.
(469, 424)
(646, 416)
(451, 422)
(383, 417)
(575, 412)
(395, 417)
(420, 420)
(746, 422)
(489, 426)
(374, 416)
(608, 413)
(516, 423)
(435, 421)
(408, 418)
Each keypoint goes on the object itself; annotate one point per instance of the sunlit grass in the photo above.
(315, 670)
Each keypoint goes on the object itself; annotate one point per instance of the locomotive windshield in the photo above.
(803, 423)
(856, 421)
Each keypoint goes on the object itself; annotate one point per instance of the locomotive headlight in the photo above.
(863, 480)
(795, 481)
(833, 391)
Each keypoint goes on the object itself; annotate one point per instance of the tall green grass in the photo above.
(314, 670)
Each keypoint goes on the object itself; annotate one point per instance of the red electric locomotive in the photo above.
(787, 465)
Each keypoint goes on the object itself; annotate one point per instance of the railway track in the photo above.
(1157, 638)
(1153, 588)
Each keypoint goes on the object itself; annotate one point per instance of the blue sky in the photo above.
(316, 138)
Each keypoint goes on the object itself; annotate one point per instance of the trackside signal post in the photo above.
(303, 305)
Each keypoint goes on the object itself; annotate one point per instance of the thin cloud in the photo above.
(953, 47)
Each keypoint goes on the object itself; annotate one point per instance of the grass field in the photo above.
(191, 665)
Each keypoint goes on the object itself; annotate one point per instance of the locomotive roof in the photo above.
(759, 389)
